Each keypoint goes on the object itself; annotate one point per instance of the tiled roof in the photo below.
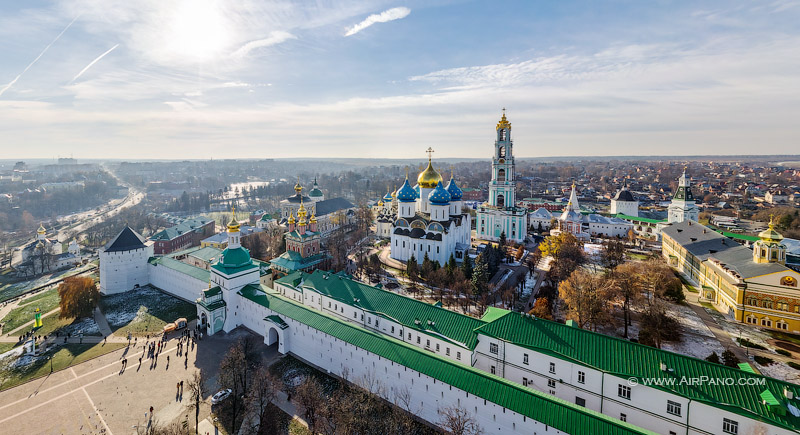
(186, 269)
(126, 240)
(207, 253)
(407, 311)
(624, 358)
(559, 414)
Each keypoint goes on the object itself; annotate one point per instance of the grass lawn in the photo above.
(52, 324)
(144, 311)
(635, 256)
(45, 301)
(5, 347)
(62, 357)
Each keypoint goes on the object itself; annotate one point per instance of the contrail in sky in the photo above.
(93, 62)
(2, 91)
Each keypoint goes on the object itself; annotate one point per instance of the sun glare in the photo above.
(198, 30)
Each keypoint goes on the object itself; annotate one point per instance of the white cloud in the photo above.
(97, 59)
(275, 37)
(383, 17)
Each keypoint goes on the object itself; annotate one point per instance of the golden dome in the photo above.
(313, 219)
(429, 178)
(233, 225)
(298, 188)
(291, 219)
(41, 229)
(770, 235)
(380, 203)
(503, 122)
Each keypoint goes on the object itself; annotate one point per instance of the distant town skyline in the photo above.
(374, 79)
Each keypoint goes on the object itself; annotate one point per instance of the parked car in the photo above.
(220, 396)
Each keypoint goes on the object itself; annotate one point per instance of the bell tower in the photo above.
(502, 185)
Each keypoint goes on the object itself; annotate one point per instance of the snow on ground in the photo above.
(690, 321)
(779, 370)
(15, 352)
(698, 346)
(124, 308)
(85, 326)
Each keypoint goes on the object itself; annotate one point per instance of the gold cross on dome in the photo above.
(430, 152)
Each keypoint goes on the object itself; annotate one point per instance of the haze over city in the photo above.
(214, 79)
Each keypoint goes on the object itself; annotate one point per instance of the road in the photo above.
(85, 219)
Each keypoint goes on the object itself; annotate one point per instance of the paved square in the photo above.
(97, 395)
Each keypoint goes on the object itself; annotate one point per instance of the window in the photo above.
(551, 383)
(419, 340)
(493, 348)
(369, 320)
(392, 329)
(493, 370)
(581, 377)
(624, 391)
(329, 304)
(730, 426)
(552, 367)
(437, 347)
(623, 417)
(524, 382)
(580, 401)
(458, 355)
(409, 336)
(427, 343)
(447, 351)
(673, 408)
(525, 359)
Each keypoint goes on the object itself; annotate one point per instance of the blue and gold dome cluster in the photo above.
(439, 195)
(406, 193)
(454, 191)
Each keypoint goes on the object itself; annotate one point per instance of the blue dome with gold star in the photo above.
(406, 193)
(439, 195)
(454, 191)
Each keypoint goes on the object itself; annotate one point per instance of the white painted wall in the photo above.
(122, 271)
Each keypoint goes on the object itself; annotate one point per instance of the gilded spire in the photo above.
(233, 225)
(291, 219)
(41, 230)
(503, 121)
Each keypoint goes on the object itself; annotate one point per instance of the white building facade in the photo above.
(123, 262)
(683, 206)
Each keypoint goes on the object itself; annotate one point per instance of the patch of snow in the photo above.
(780, 370)
(17, 351)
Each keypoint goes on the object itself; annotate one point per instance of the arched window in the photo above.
(501, 201)
(502, 134)
(501, 175)
(502, 151)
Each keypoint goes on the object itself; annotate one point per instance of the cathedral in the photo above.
(500, 215)
(427, 219)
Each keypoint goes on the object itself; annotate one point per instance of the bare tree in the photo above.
(263, 390)
(586, 296)
(198, 391)
(311, 398)
(458, 421)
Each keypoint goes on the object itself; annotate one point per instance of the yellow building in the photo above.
(752, 286)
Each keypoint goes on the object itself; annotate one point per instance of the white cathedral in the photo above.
(426, 220)
(500, 215)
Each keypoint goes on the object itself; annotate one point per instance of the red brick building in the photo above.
(186, 234)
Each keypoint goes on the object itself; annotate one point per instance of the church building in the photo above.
(430, 220)
(683, 206)
(500, 214)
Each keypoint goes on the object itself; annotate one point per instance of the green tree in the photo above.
(466, 266)
(412, 269)
(729, 359)
(427, 266)
(714, 358)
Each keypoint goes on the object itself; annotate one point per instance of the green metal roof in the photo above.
(746, 366)
(277, 320)
(640, 219)
(188, 225)
(206, 254)
(230, 270)
(493, 313)
(186, 269)
(291, 261)
(625, 358)
(212, 306)
(213, 291)
(409, 312)
(737, 236)
(292, 280)
(769, 398)
(235, 257)
(559, 414)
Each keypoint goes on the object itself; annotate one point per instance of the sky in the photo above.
(200, 79)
